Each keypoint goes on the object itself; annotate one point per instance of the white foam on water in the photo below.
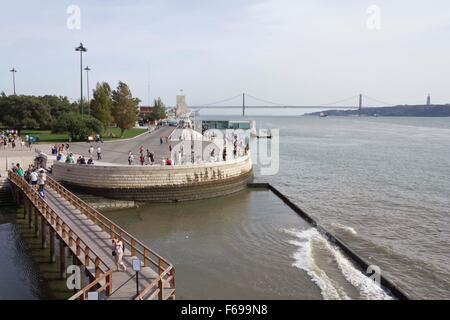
(304, 260)
(330, 289)
(344, 227)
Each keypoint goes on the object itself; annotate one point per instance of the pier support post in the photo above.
(51, 235)
(62, 258)
(30, 213)
(36, 222)
(43, 233)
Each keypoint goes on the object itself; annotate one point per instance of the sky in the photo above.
(294, 52)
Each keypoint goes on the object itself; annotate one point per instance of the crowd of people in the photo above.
(147, 158)
(11, 139)
(36, 177)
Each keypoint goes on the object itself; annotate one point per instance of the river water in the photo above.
(380, 184)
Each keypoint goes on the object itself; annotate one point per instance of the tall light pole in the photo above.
(14, 79)
(82, 49)
(87, 82)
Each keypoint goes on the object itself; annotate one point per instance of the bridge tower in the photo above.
(360, 105)
(243, 104)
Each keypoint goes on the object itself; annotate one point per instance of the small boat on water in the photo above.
(264, 134)
(323, 115)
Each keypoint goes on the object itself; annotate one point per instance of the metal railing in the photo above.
(164, 270)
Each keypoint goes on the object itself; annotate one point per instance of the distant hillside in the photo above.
(397, 111)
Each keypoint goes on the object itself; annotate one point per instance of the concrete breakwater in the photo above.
(157, 183)
(386, 283)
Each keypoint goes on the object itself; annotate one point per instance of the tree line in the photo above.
(56, 113)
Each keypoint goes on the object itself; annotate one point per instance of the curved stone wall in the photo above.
(157, 183)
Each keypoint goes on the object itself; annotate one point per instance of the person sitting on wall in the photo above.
(168, 162)
(90, 161)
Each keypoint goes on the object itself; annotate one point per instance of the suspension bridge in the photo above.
(353, 102)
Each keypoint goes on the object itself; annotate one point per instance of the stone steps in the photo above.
(5, 192)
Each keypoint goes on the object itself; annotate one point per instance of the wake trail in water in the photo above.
(310, 240)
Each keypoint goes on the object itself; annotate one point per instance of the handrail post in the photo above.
(86, 257)
(172, 275)
(109, 284)
(145, 257)
(78, 247)
(161, 289)
(97, 268)
(133, 247)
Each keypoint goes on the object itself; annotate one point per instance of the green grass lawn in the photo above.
(48, 136)
(131, 133)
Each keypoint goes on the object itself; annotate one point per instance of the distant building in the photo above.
(429, 100)
(181, 108)
(144, 111)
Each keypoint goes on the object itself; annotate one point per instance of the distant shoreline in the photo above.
(396, 111)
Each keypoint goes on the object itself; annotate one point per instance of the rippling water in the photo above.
(381, 184)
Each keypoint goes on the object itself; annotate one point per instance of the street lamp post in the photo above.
(14, 79)
(87, 82)
(82, 49)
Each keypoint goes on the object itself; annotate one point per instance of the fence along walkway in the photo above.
(87, 233)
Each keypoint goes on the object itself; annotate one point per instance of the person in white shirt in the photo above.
(99, 153)
(34, 178)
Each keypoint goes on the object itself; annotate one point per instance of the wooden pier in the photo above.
(85, 234)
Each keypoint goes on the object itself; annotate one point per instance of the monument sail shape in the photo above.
(181, 108)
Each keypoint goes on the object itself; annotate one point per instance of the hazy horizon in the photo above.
(287, 51)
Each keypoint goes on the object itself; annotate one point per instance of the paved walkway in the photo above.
(117, 151)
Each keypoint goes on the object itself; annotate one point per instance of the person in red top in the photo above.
(168, 162)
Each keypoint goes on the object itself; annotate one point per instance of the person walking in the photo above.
(34, 178)
(142, 159)
(152, 158)
(42, 178)
(160, 140)
(130, 158)
(118, 254)
(19, 170)
(91, 150)
(99, 153)
(224, 154)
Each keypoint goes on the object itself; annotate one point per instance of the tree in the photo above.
(124, 107)
(19, 112)
(101, 104)
(158, 112)
(58, 105)
(77, 125)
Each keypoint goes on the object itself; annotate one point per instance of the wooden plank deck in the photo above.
(124, 283)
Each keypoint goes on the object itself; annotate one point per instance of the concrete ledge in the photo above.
(157, 183)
